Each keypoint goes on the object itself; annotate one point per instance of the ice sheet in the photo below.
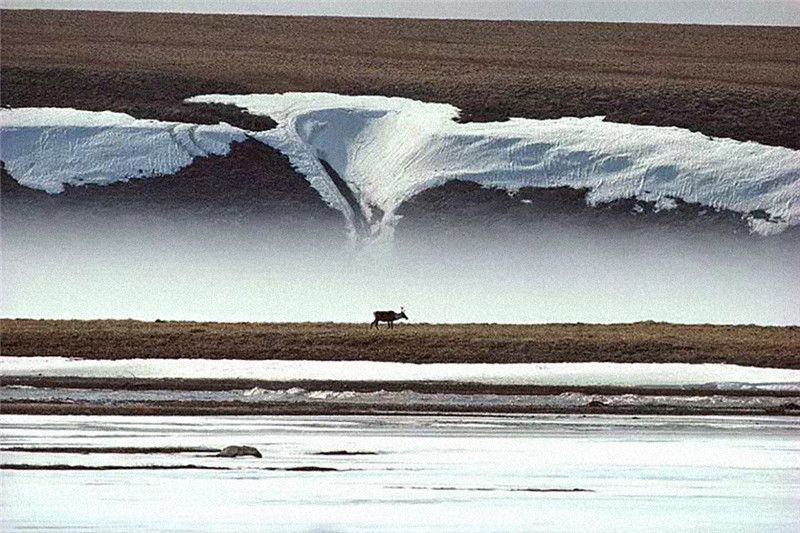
(429, 473)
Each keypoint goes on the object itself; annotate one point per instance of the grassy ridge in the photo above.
(412, 343)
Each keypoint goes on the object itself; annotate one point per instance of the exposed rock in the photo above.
(310, 469)
(238, 451)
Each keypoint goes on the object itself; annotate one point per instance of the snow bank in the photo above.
(46, 148)
(565, 374)
(389, 149)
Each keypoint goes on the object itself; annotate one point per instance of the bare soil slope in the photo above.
(728, 81)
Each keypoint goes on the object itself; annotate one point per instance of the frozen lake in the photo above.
(424, 473)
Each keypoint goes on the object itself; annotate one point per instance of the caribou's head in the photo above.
(402, 313)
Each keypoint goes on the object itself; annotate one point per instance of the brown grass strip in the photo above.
(641, 342)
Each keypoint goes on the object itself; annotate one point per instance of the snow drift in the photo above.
(46, 148)
(389, 149)
(386, 150)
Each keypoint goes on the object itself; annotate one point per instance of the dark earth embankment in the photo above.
(462, 207)
(729, 81)
(238, 409)
(253, 185)
(411, 343)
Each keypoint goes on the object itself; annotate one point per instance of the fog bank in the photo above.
(176, 272)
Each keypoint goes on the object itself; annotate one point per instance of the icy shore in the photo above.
(718, 376)
(397, 400)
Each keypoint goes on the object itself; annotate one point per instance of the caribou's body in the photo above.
(387, 316)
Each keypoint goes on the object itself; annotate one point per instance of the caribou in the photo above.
(387, 316)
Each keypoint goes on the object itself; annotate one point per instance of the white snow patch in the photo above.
(46, 148)
(665, 203)
(389, 149)
(602, 374)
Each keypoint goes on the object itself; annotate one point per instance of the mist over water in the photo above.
(147, 271)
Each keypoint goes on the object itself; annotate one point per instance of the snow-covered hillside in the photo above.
(386, 150)
(45, 148)
(389, 149)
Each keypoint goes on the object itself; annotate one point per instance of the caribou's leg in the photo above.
(374, 323)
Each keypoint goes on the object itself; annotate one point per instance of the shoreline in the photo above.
(421, 387)
(111, 367)
(165, 409)
(590, 393)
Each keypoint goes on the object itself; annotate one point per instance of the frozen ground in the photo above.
(718, 376)
(428, 473)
